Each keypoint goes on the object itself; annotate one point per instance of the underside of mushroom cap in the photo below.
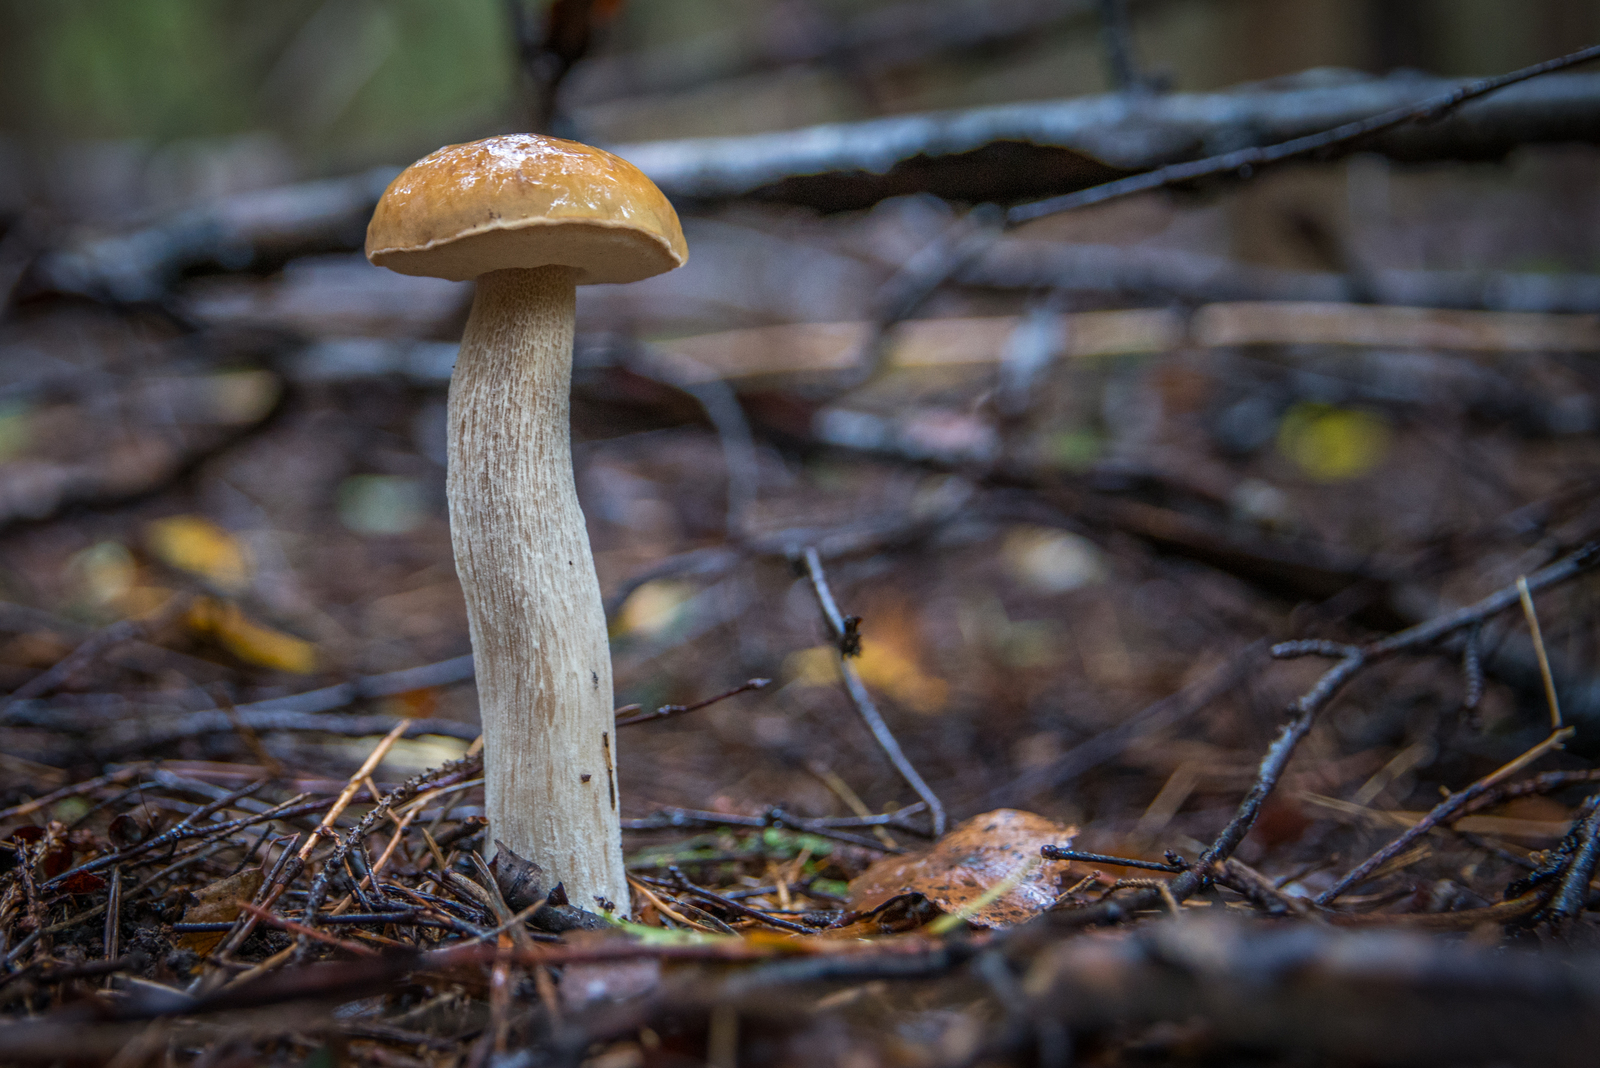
(525, 200)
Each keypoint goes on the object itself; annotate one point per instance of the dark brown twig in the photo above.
(741, 909)
(187, 829)
(445, 774)
(1051, 852)
(674, 710)
(121, 775)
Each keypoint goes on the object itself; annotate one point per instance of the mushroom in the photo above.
(530, 218)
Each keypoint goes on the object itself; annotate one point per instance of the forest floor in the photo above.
(1248, 614)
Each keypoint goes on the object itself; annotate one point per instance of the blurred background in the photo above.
(1094, 468)
(172, 99)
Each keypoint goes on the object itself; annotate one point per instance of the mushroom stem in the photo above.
(533, 603)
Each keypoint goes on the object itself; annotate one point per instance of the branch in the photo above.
(1018, 150)
(1244, 161)
(845, 637)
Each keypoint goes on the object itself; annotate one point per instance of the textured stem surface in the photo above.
(533, 602)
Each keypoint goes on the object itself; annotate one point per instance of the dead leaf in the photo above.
(218, 903)
(199, 546)
(251, 642)
(85, 882)
(956, 870)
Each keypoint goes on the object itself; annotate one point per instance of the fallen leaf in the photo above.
(218, 903)
(249, 641)
(197, 545)
(1333, 444)
(958, 869)
(85, 882)
(653, 608)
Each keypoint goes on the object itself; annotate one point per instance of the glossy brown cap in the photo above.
(524, 200)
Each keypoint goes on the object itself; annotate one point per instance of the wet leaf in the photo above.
(958, 869)
(218, 903)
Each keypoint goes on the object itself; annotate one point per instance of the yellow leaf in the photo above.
(251, 642)
(1333, 444)
(200, 547)
(653, 607)
(881, 666)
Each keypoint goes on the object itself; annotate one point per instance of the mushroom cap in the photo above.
(525, 200)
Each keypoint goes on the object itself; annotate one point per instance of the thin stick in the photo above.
(1444, 811)
(832, 781)
(842, 632)
(666, 909)
(1538, 647)
(113, 931)
(733, 906)
(1051, 852)
(274, 920)
(1247, 160)
(1574, 563)
(673, 710)
(972, 234)
(354, 786)
(94, 645)
(261, 969)
(295, 806)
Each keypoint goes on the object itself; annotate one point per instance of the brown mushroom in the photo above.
(530, 218)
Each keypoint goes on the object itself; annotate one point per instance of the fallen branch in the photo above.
(1085, 141)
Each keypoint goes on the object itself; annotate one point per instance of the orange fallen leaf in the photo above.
(956, 871)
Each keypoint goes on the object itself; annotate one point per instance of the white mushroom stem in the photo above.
(533, 602)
